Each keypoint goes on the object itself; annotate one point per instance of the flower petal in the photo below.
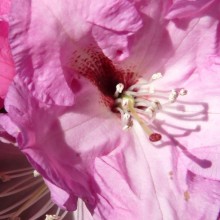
(7, 70)
(114, 22)
(6, 124)
(210, 166)
(5, 7)
(37, 56)
(177, 47)
(60, 197)
(187, 8)
(113, 45)
(67, 133)
(37, 48)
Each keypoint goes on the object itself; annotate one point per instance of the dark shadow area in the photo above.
(161, 127)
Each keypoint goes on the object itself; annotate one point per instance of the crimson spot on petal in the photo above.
(155, 137)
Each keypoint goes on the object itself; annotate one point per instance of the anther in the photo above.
(153, 137)
(156, 76)
(156, 105)
(52, 217)
(119, 89)
(173, 96)
(35, 173)
(135, 103)
(183, 92)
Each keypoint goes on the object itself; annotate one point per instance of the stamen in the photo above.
(153, 137)
(35, 196)
(52, 217)
(63, 215)
(18, 170)
(135, 115)
(4, 177)
(119, 89)
(35, 173)
(8, 216)
(14, 206)
(56, 217)
(16, 185)
(24, 183)
(183, 92)
(127, 109)
(20, 189)
(58, 211)
(173, 96)
(127, 121)
(140, 102)
(125, 118)
(156, 76)
(43, 210)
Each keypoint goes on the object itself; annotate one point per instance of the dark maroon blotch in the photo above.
(101, 71)
(2, 110)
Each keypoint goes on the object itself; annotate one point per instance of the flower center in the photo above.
(139, 102)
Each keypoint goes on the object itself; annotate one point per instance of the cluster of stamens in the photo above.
(140, 102)
(26, 183)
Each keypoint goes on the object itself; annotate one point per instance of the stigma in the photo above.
(140, 102)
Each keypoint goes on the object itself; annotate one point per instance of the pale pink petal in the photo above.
(72, 130)
(187, 8)
(7, 70)
(114, 22)
(174, 47)
(6, 124)
(145, 177)
(210, 158)
(82, 149)
(60, 197)
(183, 57)
(114, 46)
(4, 7)
(114, 15)
(43, 69)
(200, 194)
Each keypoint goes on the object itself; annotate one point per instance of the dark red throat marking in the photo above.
(101, 71)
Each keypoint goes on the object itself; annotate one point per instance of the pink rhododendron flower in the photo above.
(7, 70)
(101, 109)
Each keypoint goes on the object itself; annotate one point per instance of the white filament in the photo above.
(145, 99)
